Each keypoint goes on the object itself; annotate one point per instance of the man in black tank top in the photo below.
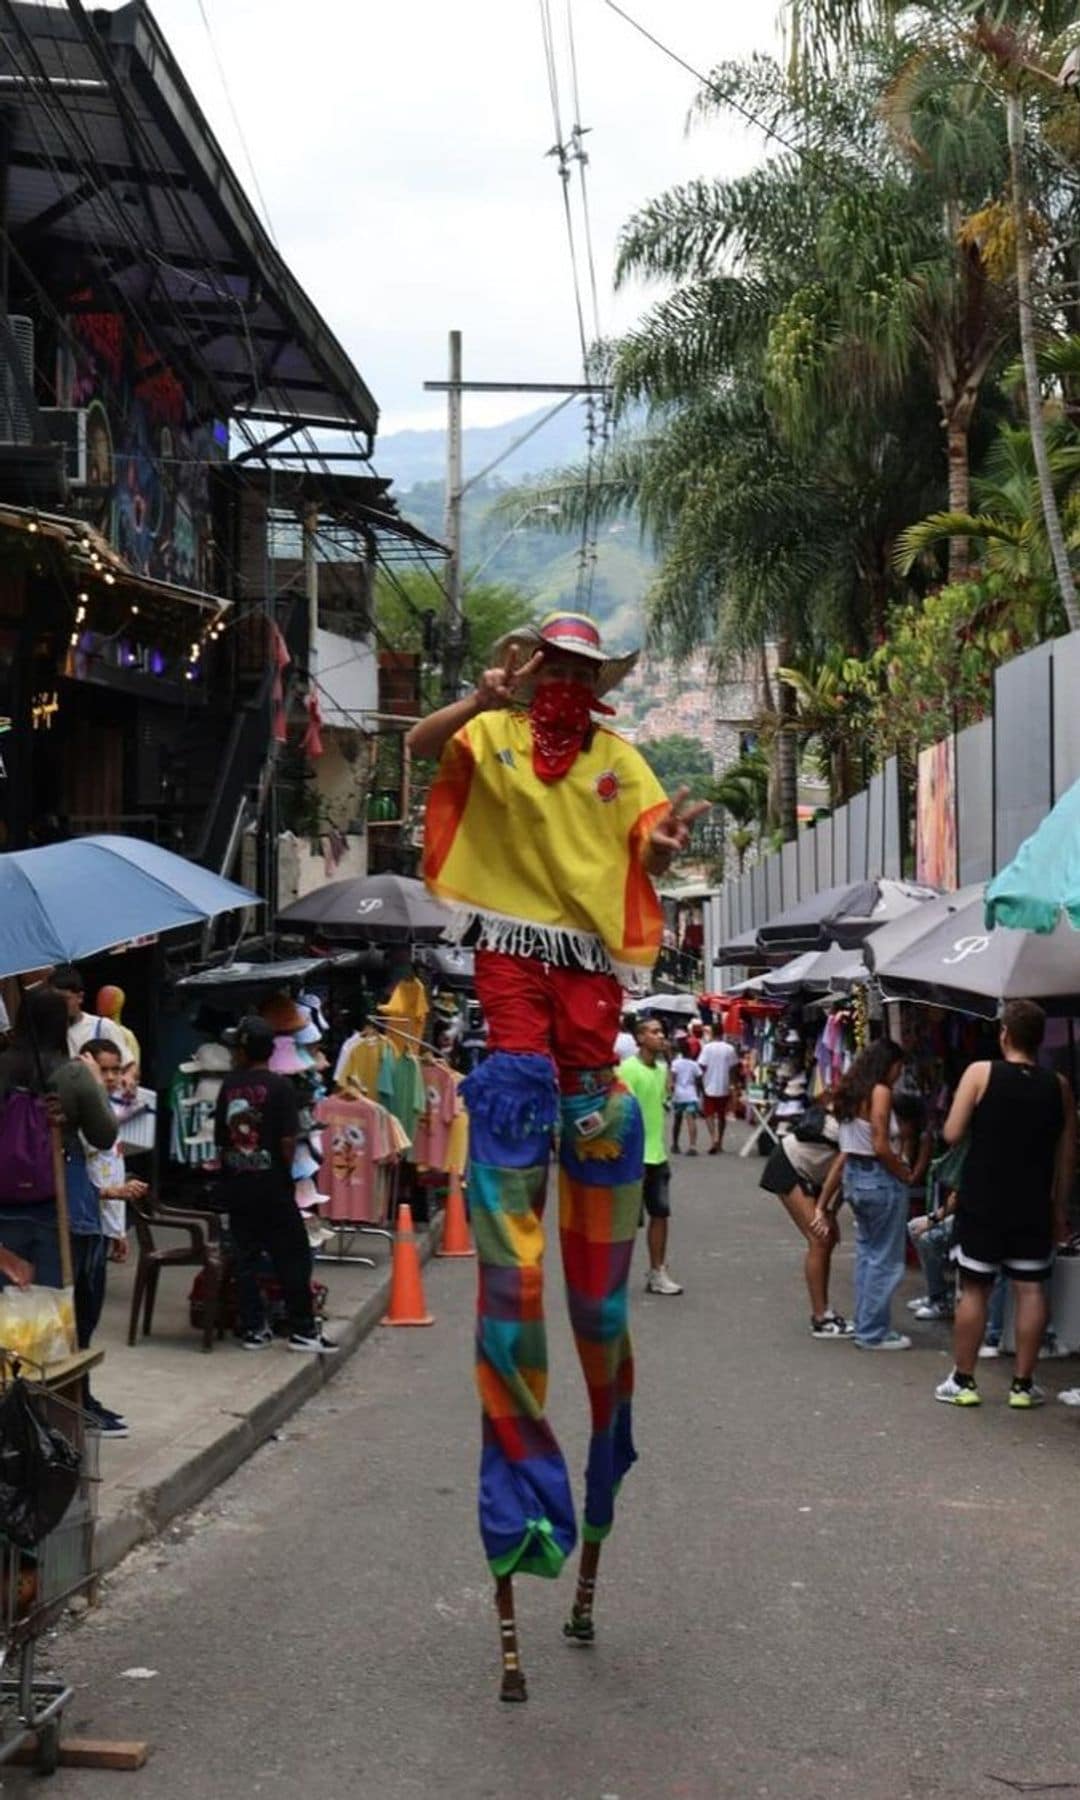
(1020, 1124)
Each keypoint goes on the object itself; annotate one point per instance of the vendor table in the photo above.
(762, 1113)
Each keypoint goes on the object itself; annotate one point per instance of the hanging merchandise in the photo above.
(364, 1143)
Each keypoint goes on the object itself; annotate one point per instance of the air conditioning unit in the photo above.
(15, 422)
(66, 425)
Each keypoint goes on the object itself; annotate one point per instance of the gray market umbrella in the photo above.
(683, 1006)
(743, 951)
(956, 962)
(815, 973)
(843, 915)
(369, 908)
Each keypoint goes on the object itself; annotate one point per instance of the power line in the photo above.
(201, 4)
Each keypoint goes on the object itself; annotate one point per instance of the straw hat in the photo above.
(574, 634)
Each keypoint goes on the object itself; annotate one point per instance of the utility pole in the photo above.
(457, 487)
(454, 645)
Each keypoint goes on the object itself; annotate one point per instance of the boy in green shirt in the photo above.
(649, 1080)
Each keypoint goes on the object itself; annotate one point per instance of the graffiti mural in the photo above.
(148, 455)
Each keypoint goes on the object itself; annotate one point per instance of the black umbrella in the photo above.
(369, 907)
(843, 915)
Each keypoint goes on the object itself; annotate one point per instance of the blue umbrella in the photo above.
(1043, 879)
(66, 901)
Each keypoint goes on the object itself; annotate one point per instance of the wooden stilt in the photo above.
(513, 1675)
(579, 1627)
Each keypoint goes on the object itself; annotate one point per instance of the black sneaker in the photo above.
(314, 1343)
(93, 1406)
(257, 1340)
(109, 1424)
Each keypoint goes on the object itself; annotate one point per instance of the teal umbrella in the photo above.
(1043, 879)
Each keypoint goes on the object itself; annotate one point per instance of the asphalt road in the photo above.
(822, 1584)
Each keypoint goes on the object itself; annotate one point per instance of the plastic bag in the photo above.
(39, 1470)
(37, 1324)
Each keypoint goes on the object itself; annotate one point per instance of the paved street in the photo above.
(822, 1584)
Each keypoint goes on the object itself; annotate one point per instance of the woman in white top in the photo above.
(875, 1185)
(796, 1173)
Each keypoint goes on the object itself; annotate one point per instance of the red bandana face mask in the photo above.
(561, 713)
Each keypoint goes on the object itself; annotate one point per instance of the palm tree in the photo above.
(1009, 525)
(1015, 49)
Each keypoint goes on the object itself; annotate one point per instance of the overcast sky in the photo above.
(400, 149)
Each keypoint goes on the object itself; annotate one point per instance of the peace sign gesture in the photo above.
(497, 687)
(671, 833)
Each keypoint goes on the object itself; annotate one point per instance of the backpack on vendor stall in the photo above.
(26, 1161)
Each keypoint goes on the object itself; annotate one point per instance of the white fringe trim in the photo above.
(558, 944)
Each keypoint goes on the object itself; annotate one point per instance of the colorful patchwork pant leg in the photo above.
(526, 1509)
(599, 1213)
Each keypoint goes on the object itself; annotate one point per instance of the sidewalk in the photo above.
(193, 1417)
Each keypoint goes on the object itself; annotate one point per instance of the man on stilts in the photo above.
(544, 831)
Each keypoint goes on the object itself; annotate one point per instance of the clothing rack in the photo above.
(409, 1037)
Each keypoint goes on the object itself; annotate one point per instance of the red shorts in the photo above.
(715, 1106)
(534, 1008)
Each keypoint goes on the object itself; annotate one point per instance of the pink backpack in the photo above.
(26, 1164)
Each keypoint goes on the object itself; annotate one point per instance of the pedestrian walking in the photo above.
(647, 1076)
(718, 1060)
(626, 1040)
(685, 1099)
(545, 830)
(1014, 1188)
(255, 1128)
(875, 1182)
(796, 1172)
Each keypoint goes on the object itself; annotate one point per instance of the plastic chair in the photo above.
(203, 1250)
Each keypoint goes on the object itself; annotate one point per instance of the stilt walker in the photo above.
(544, 831)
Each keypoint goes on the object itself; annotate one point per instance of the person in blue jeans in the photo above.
(875, 1184)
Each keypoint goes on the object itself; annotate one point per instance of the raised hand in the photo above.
(671, 833)
(497, 687)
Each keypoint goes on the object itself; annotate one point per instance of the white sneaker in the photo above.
(1053, 1351)
(931, 1309)
(658, 1281)
(956, 1393)
(987, 1352)
(893, 1340)
(919, 1300)
(1070, 1396)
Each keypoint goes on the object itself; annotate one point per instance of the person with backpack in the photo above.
(38, 1080)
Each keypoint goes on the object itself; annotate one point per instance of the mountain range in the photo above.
(503, 544)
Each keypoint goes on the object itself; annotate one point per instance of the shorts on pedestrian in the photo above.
(715, 1106)
(656, 1190)
(779, 1176)
(686, 1109)
(984, 1248)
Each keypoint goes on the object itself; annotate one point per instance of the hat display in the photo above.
(571, 633)
(209, 1059)
(314, 1006)
(286, 1058)
(283, 1015)
(308, 1034)
(304, 1164)
(307, 1195)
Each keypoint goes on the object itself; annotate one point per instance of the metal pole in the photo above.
(452, 653)
(311, 587)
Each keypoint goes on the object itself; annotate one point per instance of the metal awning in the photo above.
(109, 152)
(91, 557)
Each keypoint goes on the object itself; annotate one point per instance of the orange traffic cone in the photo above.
(456, 1240)
(407, 1304)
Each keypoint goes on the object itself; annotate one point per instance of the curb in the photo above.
(197, 1471)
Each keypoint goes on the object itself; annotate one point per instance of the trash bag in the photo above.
(39, 1470)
